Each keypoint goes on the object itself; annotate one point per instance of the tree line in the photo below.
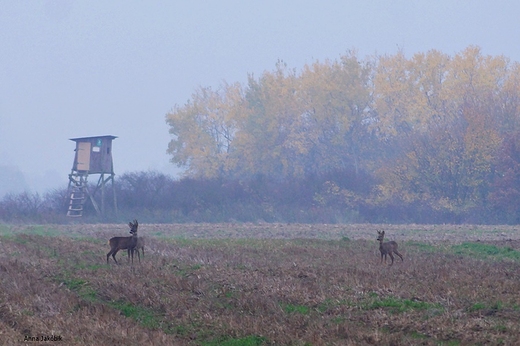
(430, 134)
(430, 138)
(154, 197)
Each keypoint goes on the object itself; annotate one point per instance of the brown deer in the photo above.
(387, 248)
(139, 245)
(123, 243)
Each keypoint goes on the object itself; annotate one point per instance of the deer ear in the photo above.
(130, 224)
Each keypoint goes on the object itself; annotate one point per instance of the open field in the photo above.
(261, 284)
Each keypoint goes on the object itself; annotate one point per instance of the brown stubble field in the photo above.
(261, 284)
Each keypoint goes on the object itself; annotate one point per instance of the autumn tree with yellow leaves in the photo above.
(427, 129)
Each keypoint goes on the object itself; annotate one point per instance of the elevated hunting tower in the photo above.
(93, 155)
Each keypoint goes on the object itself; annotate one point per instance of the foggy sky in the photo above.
(86, 68)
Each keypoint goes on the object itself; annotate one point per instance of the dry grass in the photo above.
(262, 284)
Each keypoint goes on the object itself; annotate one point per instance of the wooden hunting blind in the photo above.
(93, 155)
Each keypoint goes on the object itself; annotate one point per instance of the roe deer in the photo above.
(139, 245)
(123, 243)
(387, 248)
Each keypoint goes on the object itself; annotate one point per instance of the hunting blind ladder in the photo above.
(93, 155)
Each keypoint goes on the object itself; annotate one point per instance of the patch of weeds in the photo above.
(325, 305)
(5, 230)
(476, 307)
(483, 306)
(82, 288)
(346, 239)
(179, 241)
(146, 317)
(74, 284)
(20, 239)
(90, 253)
(328, 304)
(85, 265)
(252, 340)
(180, 330)
(192, 329)
(95, 266)
(501, 328)
(497, 305)
(223, 305)
(89, 294)
(299, 309)
(422, 246)
(480, 250)
(27, 312)
(241, 266)
(449, 343)
(185, 272)
(338, 320)
(42, 231)
(396, 305)
(416, 335)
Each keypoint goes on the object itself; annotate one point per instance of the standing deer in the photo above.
(387, 248)
(123, 243)
(139, 245)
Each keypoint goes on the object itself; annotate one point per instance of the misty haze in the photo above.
(288, 172)
(275, 112)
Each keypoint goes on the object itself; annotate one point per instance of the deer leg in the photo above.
(398, 254)
(138, 255)
(113, 253)
(391, 257)
(114, 256)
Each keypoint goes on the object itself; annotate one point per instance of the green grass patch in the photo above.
(185, 272)
(477, 307)
(501, 328)
(296, 309)
(42, 231)
(252, 340)
(421, 246)
(397, 305)
(483, 306)
(148, 318)
(81, 287)
(17, 238)
(91, 267)
(416, 335)
(145, 317)
(479, 250)
(328, 304)
(5, 230)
